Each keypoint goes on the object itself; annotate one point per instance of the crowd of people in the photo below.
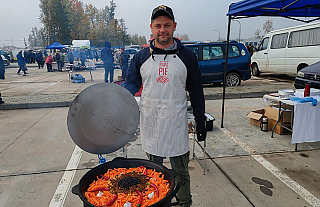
(250, 49)
(41, 58)
(77, 57)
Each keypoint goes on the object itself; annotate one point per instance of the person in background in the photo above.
(96, 55)
(21, 63)
(70, 57)
(76, 54)
(168, 70)
(250, 49)
(124, 61)
(107, 58)
(25, 55)
(45, 53)
(82, 56)
(49, 61)
(2, 71)
(32, 57)
(59, 60)
(39, 59)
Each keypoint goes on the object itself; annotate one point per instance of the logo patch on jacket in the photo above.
(163, 72)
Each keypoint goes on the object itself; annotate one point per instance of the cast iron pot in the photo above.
(120, 162)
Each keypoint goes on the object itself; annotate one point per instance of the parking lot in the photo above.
(244, 166)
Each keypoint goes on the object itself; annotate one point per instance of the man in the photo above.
(39, 59)
(250, 49)
(70, 57)
(2, 71)
(124, 60)
(107, 58)
(21, 63)
(167, 71)
(82, 57)
(59, 60)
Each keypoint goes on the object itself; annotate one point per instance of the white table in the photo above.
(305, 118)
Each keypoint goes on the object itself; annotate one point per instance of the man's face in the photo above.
(162, 29)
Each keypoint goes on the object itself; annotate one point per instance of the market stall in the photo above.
(299, 10)
(305, 114)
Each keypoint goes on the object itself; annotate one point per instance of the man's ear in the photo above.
(174, 25)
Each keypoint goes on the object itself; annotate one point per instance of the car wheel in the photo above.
(233, 79)
(255, 70)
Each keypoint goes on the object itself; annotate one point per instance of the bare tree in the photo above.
(268, 26)
(183, 37)
(257, 34)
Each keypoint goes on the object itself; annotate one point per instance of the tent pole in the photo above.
(225, 71)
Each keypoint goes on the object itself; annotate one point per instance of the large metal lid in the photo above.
(103, 118)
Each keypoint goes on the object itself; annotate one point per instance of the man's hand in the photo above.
(201, 133)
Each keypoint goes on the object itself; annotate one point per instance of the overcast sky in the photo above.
(198, 18)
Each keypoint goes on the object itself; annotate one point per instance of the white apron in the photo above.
(163, 106)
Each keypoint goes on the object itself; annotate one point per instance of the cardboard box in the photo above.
(278, 129)
(256, 116)
(272, 112)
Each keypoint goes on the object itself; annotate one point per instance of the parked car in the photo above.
(131, 52)
(310, 74)
(6, 54)
(211, 58)
(5, 60)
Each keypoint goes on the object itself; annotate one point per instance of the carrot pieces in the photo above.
(111, 197)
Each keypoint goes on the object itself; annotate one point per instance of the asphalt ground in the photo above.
(42, 89)
(244, 166)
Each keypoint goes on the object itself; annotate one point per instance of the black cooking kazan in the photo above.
(103, 118)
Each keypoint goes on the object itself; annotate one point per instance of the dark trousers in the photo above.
(124, 69)
(20, 68)
(59, 62)
(40, 64)
(49, 67)
(180, 165)
(108, 68)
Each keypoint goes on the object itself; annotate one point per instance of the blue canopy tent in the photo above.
(55, 45)
(300, 10)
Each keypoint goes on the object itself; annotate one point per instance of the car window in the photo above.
(233, 51)
(307, 37)
(212, 52)
(279, 41)
(131, 52)
(195, 49)
(264, 44)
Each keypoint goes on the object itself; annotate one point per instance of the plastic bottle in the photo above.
(307, 90)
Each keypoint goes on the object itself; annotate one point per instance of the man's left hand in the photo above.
(201, 133)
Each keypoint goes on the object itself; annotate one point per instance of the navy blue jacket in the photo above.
(106, 53)
(124, 58)
(20, 59)
(39, 57)
(193, 83)
(70, 57)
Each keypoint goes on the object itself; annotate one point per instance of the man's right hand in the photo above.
(201, 133)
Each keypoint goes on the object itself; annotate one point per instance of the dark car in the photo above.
(309, 74)
(5, 60)
(211, 58)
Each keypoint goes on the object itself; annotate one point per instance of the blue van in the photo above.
(211, 58)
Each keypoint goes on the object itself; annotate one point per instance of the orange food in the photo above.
(102, 198)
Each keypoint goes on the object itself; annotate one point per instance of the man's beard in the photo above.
(165, 41)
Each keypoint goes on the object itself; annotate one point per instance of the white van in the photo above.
(286, 51)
